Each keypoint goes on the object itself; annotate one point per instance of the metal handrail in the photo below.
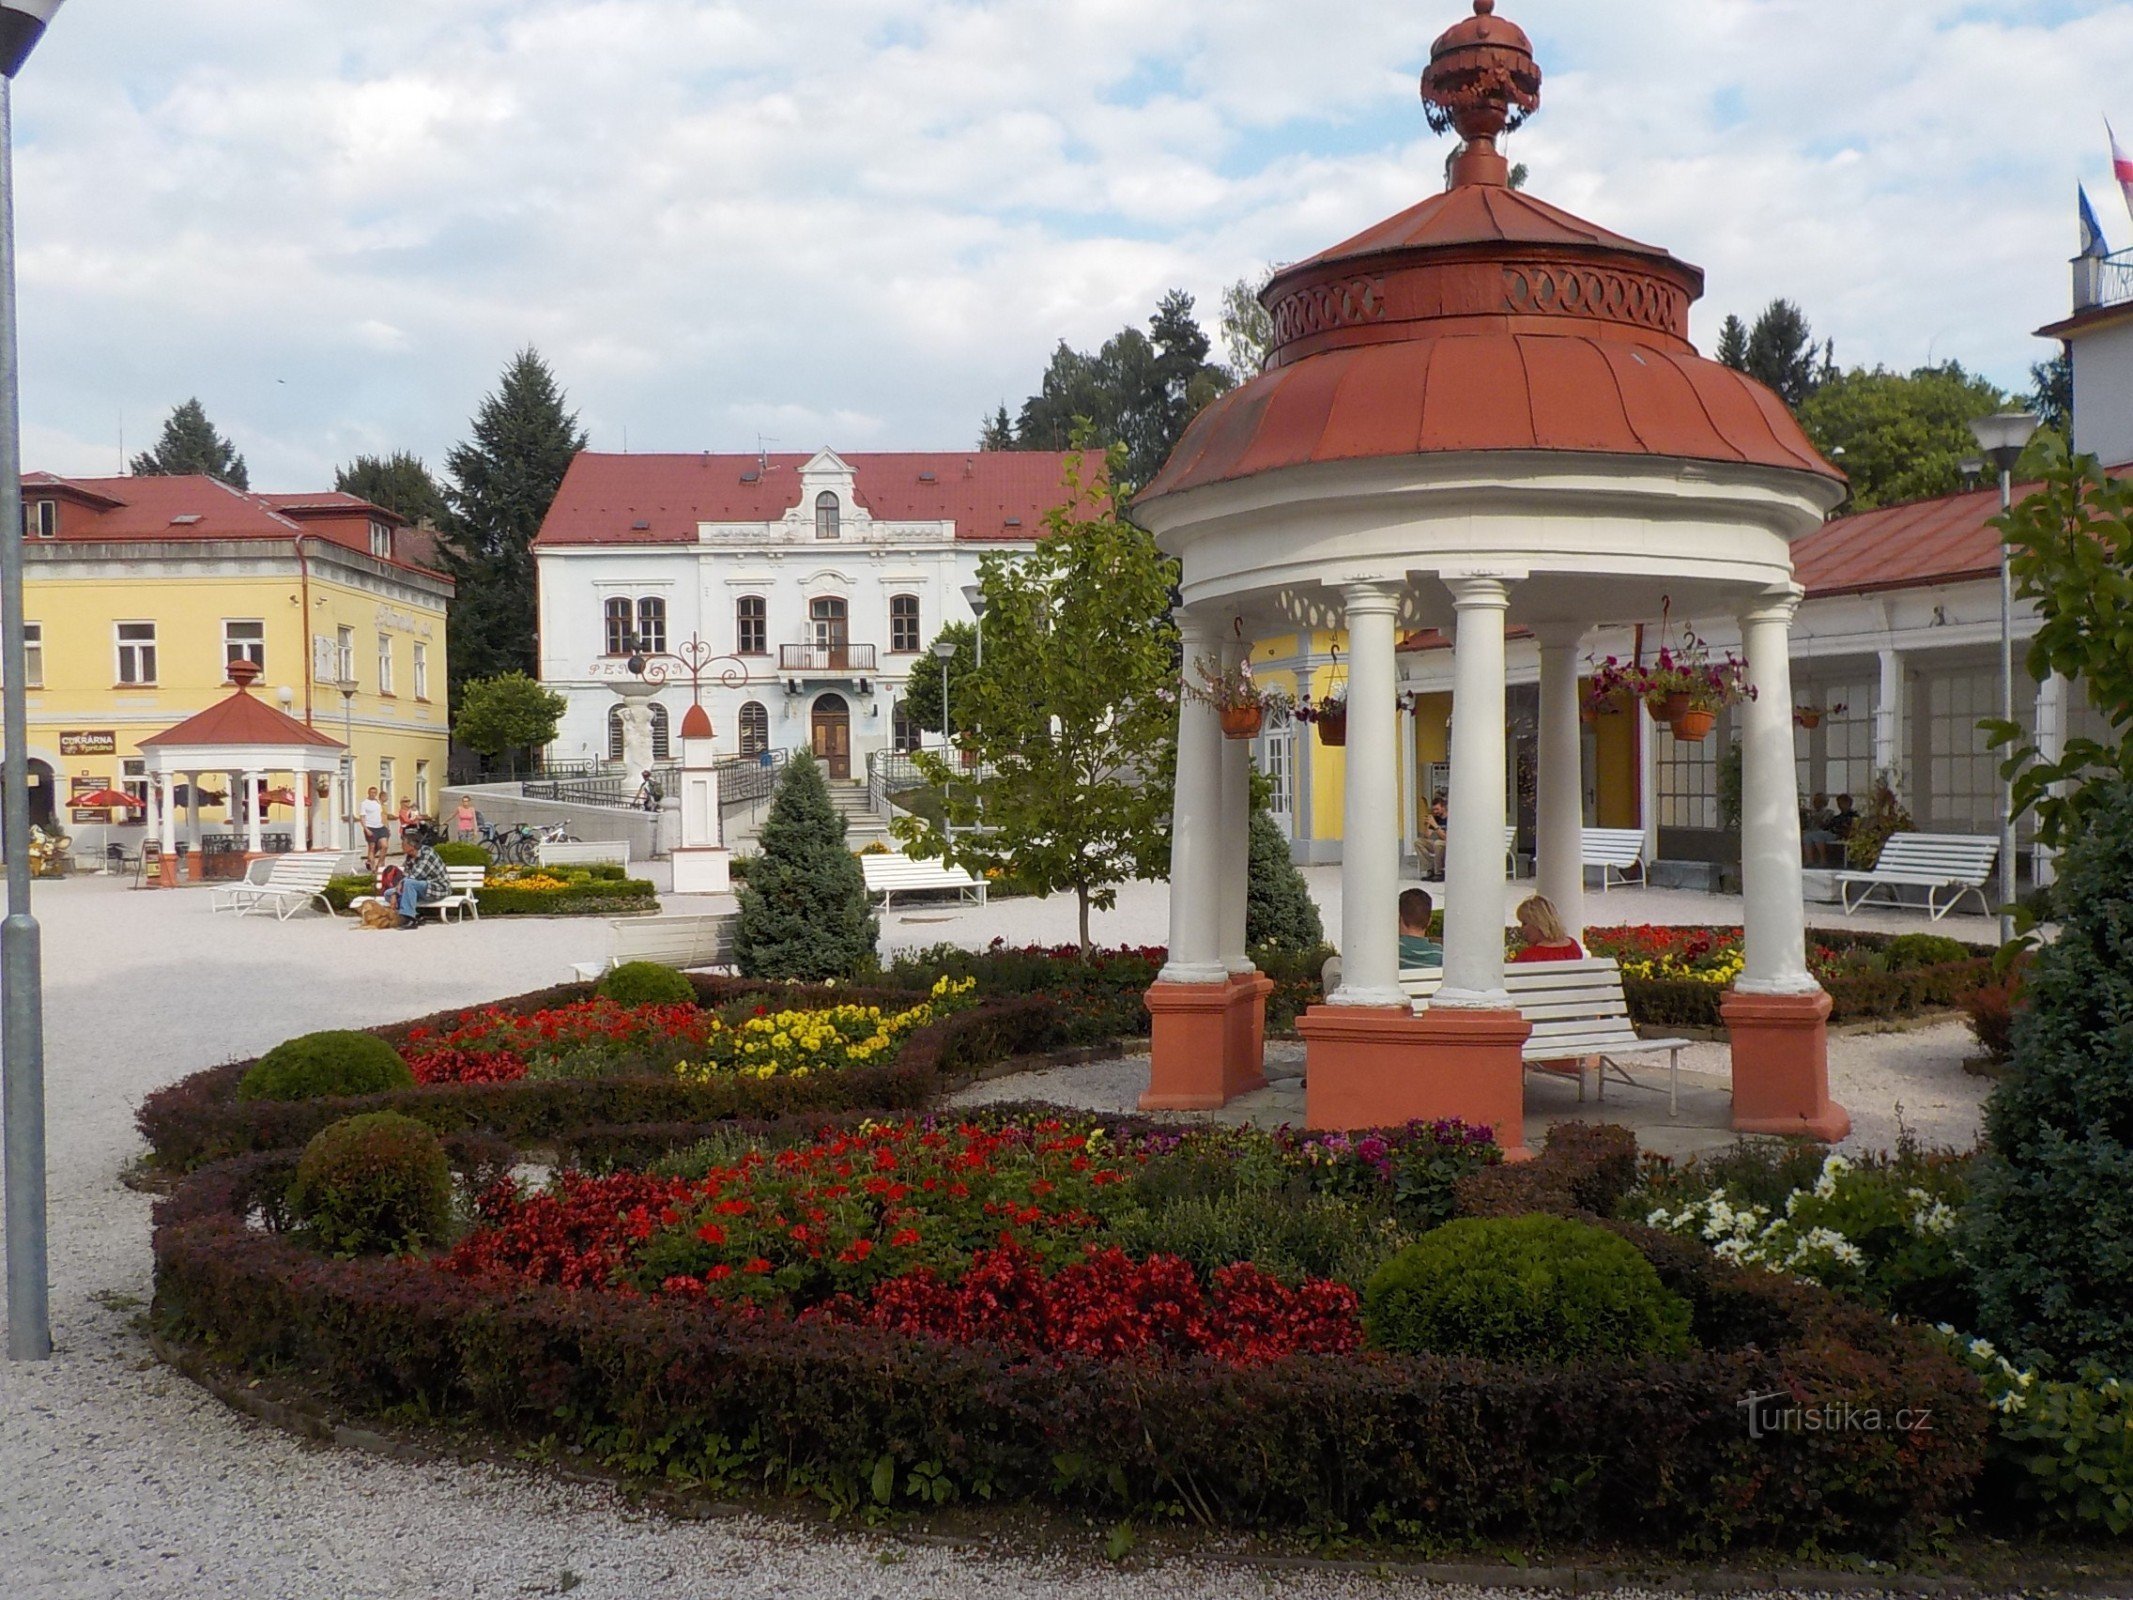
(826, 658)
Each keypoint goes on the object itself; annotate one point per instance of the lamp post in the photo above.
(2002, 437)
(29, 1319)
(974, 594)
(347, 686)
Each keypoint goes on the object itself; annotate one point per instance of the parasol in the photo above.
(106, 801)
(283, 796)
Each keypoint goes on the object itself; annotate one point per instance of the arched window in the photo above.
(614, 729)
(755, 729)
(903, 624)
(617, 614)
(652, 624)
(826, 515)
(660, 747)
(751, 625)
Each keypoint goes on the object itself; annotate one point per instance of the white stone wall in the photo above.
(2103, 393)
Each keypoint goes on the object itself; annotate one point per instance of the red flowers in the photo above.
(493, 1046)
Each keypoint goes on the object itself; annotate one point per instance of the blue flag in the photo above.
(2092, 241)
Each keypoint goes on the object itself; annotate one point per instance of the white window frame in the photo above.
(381, 540)
(236, 649)
(741, 623)
(33, 655)
(40, 519)
(344, 655)
(422, 670)
(422, 787)
(385, 785)
(134, 655)
(133, 778)
(385, 663)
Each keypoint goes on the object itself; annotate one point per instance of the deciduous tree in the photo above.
(1903, 436)
(190, 444)
(508, 713)
(1072, 720)
(1247, 327)
(922, 692)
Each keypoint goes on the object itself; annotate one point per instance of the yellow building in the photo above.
(140, 592)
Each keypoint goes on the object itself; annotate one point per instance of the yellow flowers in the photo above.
(797, 1044)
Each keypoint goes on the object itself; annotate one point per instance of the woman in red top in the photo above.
(1541, 932)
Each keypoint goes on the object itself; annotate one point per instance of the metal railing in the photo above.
(742, 780)
(2103, 280)
(826, 658)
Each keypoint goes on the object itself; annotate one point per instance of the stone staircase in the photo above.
(862, 826)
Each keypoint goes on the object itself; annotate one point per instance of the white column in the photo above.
(1474, 867)
(1410, 786)
(170, 814)
(2051, 744)
(1236, 849)
(1646, 733)
(192, 810)
(1370, 836)
(1775, 917)
(1196, 827)
(255, 786)
(300, 786)
(1561, 872)
(1888, 714)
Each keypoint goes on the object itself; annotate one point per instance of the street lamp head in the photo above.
(974, 596)
(22, 24)
(2003, 437)
(944, 650)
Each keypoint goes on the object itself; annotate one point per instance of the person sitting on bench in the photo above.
(1417, 948)
(1541, 934)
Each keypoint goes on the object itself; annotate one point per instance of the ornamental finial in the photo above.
(1483, 81)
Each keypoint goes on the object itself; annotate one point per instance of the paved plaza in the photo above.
(124, 1479)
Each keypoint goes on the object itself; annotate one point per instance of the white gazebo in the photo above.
(1478, 414)
(251, 743)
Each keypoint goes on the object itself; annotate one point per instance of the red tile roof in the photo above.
(241, 719)
(1480, 214)
(998, 495)
(1941, 540)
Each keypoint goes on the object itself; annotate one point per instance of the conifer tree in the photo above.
(1279, 913)
(2051, 1235)
(503, 481)
(398, 482)
(190, 444)
(804, 908)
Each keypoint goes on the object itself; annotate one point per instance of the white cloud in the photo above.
(866, 222)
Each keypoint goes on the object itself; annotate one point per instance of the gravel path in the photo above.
(122, 1479)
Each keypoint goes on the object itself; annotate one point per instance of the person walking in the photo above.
(372, 814)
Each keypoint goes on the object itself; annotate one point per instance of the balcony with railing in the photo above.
(833, 660)
(2103, 280)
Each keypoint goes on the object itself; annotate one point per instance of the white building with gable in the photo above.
(827, 576)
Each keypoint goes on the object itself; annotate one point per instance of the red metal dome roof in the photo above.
(1485, 319)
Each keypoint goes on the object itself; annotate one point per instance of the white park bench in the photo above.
(1576, 1009)
(684, 943)
(892, 875)
(463, 900)
(1616, 852)
(585, 853)
(291, 882)
(1934, 862)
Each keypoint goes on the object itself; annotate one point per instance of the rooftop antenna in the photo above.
(762, 453)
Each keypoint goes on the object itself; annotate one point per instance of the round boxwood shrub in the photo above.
(313, 1066)
(378, 1182)
(1909, 950)
(646, 983)
(1538, 1288)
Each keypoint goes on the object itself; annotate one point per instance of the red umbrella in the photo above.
(105, 800)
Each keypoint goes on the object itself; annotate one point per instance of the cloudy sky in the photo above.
(866, 222)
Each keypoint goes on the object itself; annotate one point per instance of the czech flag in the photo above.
(2121, 165)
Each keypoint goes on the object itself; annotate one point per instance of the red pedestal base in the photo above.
(1369, 1067)
(167, 870)
(1781, 1065)
(1207, 1044)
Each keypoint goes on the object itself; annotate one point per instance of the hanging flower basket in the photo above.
(1669, 708)
(1811, 716)
(1241, 722)
(1693, 725)
(1333, 725)
(1241, 705)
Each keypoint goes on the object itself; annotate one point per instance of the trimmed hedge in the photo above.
(198, 1119)
(1655, 1450)
(606, 895)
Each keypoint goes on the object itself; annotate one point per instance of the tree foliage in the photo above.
(1782, 354)
(2071, 544)
(804, 907)
(998, 432)
(509, 712)
(922, 691)
(1247, 327)
(398, 482)
(190, 444)
(2052, 1217)
(1072, 721)
(1733, 344)
(1903, 436)
(1139, 390)
(2051, 392)
(503, 481)
(1279, 913)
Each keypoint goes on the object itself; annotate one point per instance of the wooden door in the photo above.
(833, 735)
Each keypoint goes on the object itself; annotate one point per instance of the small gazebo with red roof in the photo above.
(1481, 414)
(251, 742)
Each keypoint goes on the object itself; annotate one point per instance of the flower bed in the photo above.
(598, 889)
(1063, 1362)
(556, 1061)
